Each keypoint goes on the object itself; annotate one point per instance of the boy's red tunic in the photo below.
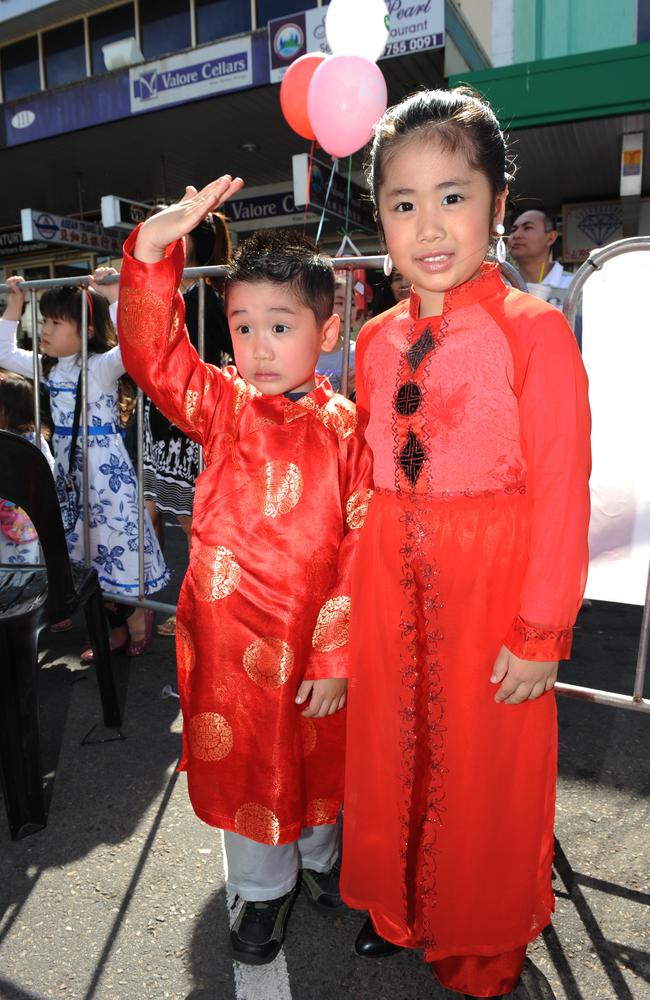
(265, 602)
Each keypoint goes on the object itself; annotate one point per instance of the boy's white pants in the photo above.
(257, 872)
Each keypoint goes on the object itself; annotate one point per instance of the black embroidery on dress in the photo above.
(412, 458)
(408, 398)
(418, 351)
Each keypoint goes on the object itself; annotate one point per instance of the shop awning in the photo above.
(566, 89)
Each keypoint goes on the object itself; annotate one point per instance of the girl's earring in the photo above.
(388, 265)
(501, 247)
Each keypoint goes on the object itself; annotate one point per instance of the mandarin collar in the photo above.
(321, 392)
(316, 398)
(487, 282)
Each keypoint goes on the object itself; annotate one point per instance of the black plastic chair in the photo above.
(31, 599)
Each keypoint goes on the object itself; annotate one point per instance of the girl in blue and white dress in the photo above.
(18, 539)
(112, 488)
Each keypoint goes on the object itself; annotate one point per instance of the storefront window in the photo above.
(268, 9)
(20, 75)
(220, 18)
(72, 268)
(164, 26)
(110, 26)
(64, 54)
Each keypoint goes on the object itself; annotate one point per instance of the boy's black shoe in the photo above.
(258, 932)
(322, 888)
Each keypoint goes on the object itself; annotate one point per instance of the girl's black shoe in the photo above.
(369, 944)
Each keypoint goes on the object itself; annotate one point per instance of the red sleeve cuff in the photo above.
(534, 642)
(167, 270)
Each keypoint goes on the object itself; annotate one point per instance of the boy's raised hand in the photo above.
(180, 219)
(15, 298)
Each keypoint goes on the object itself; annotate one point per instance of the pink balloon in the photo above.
(347, 97)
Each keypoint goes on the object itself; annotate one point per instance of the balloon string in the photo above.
(327, 194)
(347, 203)
(308, 192)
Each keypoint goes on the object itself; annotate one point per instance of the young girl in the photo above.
(476, 546)
(18, 538)
(113, 510)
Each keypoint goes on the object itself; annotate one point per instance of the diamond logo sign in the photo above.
(599, 224)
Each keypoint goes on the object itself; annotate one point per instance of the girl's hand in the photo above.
(110, 292)
(178, 220)
(521, 680)
(327, 696)
(15, 298)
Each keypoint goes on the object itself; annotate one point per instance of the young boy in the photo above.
(263, 612)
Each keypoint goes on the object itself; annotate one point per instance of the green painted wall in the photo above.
(548, 28)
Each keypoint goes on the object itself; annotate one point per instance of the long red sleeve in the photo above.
(555, 426)
(156, 348)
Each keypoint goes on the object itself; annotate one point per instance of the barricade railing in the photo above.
(348, 265)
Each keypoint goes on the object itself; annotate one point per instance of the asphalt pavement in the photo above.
(122, 896)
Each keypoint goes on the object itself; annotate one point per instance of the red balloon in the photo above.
(293, 92)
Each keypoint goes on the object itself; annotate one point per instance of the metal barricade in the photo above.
(347, 264)
(595, 262)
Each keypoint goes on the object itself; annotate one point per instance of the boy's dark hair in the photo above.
(286, 258)
(457, 119)
(64, 302)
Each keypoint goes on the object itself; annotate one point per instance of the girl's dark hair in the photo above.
(457, 119)
(17, 405)
(286, 258)
(209, 245)
(64, 302)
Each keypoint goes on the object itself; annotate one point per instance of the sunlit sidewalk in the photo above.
(122, 896)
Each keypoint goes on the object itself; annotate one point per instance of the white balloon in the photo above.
(357, 28)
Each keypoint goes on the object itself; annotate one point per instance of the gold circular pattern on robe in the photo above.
(185, 652)
(190, 403)
(277, 488)
(258, 823)
(308, 735)
(210, 736)
(357, 508)
(333, 625)
(320, 811)
(216, 572)
(268, 662)
(175, 324)
(144, 316)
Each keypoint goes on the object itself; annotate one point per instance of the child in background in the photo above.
(330, 363)
(18, 538)
(113, 509)
(476, 546)
(262, 622)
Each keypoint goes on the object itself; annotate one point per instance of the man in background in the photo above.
(532, 236)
